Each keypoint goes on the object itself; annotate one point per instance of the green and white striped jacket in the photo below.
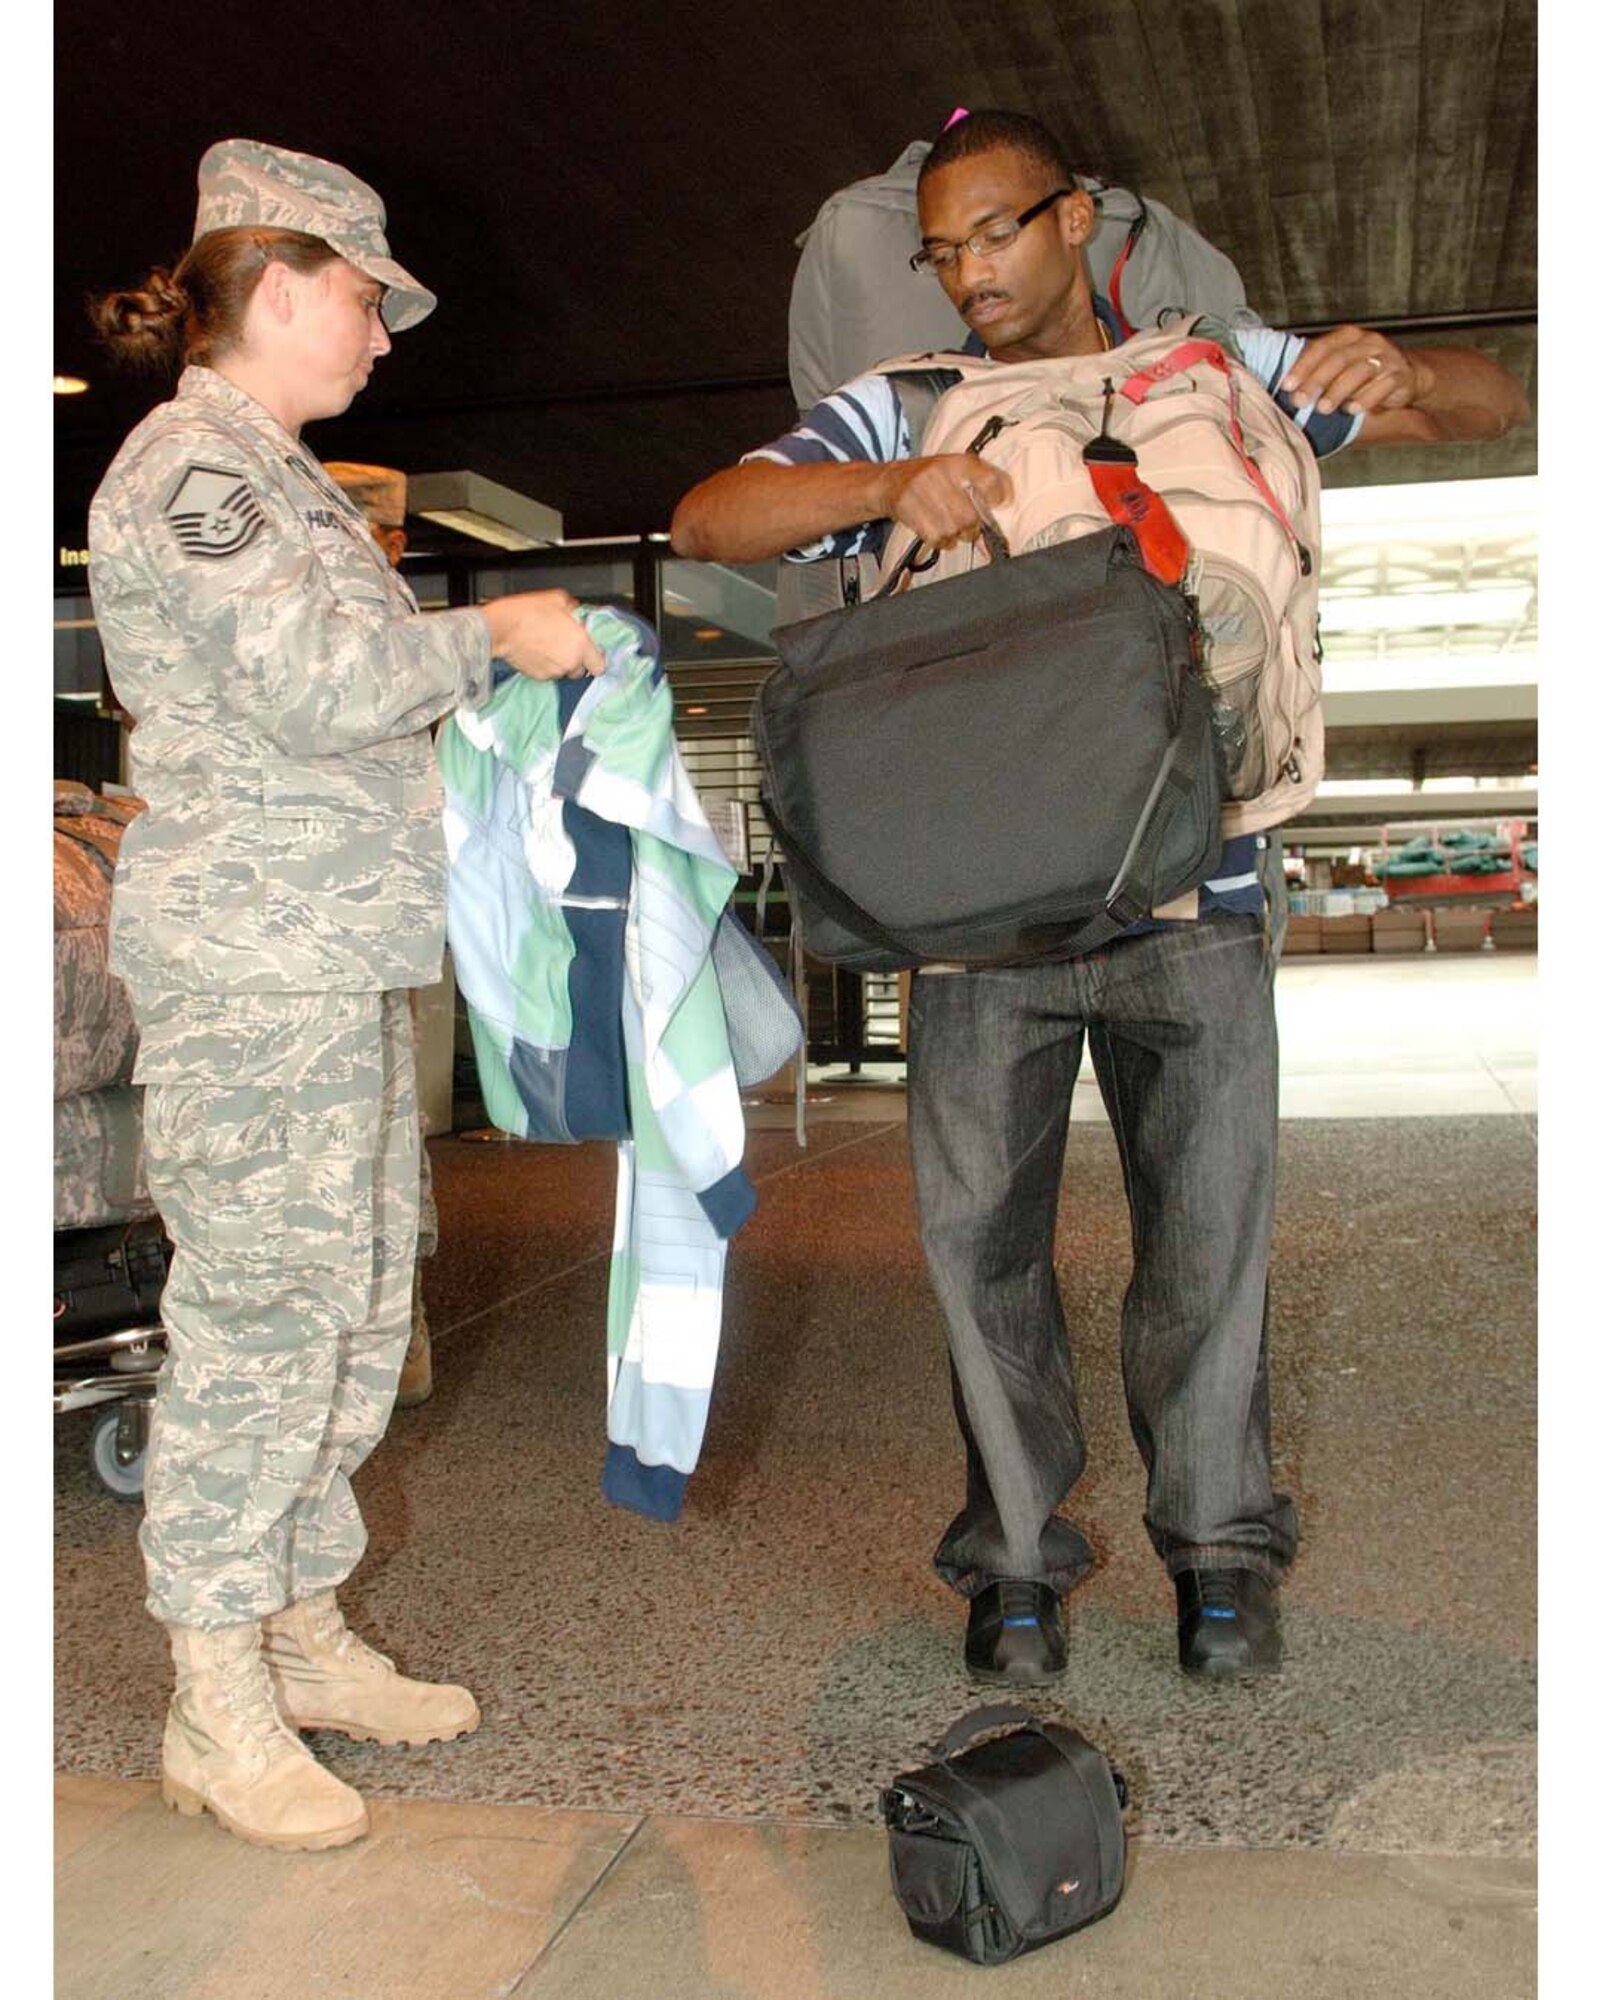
(586, 887)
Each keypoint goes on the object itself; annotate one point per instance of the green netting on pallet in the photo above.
(1400, 865)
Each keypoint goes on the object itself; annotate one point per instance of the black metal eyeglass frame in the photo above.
(923, 260)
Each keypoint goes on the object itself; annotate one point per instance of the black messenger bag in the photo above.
(1003, 1847)
(1012, 764)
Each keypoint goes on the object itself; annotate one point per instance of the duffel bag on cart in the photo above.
(109, 1278)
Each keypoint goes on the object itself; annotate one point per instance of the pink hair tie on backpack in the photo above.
(960, 112)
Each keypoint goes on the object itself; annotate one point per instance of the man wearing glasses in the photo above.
(1179, 1015)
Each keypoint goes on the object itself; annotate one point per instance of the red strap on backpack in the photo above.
(1182, 358)
(1129, 500)
(1116, 481)
(1118, 272)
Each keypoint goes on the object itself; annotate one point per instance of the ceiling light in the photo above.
(1526, 782)
(68, 385)
(1427, 609)
(1368, 788)
(473, 505)
(1359, 673)
(709, 632)
(1431, 509)
(1361, 788)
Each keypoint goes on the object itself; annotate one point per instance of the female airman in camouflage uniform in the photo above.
(283, 889)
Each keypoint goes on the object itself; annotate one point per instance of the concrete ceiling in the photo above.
(606, 198)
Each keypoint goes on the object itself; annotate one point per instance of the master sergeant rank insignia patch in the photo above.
(213, 513)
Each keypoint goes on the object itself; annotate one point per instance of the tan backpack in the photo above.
(1237, 478)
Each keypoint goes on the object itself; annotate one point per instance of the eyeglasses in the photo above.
(938, 258)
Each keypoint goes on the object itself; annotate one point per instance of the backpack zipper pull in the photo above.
(1162, 547)
(1103, 449)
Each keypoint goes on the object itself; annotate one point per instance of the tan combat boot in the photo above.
(228, 1752)
(325, 1677)
(416, 1374)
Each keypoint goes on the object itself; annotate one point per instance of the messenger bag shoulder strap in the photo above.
(1131, 897)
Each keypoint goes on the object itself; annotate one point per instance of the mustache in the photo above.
(984, 296)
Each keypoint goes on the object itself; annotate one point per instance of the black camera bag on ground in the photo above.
(1005, 1846)
(1013, 764)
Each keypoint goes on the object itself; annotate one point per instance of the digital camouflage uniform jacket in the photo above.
(282, 683)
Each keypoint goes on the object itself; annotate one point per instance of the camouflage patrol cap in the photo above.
(243, 184)
(377, 490)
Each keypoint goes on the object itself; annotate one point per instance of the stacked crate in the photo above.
(1461, 930)
(1353, 933)
(1400, 930)
(1515, 930)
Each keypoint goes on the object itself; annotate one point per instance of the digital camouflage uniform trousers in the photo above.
(282, 1152)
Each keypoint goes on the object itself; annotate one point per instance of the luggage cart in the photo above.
(111, 1253)
(109, 1341)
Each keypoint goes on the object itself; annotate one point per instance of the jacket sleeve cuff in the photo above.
(470, 631)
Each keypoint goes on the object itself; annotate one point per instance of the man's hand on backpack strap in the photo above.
(1355, 369)
(934, 497)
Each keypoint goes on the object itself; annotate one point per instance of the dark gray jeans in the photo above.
(1184, 1043)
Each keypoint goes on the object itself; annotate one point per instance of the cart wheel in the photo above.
(120, 1462)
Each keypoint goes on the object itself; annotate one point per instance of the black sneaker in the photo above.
(1226, 1624)
(1015, 1634)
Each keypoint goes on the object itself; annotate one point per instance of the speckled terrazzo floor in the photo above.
(784, 1649)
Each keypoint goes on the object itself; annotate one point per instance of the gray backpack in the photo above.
(855, 302)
